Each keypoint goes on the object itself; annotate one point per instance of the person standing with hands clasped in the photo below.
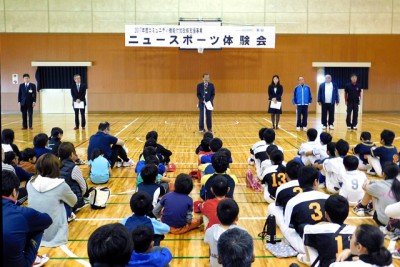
(352, 96)
(78, 93)
(328, 96)
(205, 94)
(27, 101)
(301, 99)
(275, 91)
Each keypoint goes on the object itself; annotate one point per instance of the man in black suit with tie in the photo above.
(205, 93)
(26, 100)
(78, 93)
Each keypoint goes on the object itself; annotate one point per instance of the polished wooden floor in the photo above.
(177, 132)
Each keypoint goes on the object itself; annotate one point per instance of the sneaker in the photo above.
(396, 254)
(323, 127)
(298, 129)
(128, 163)
(72, 217)
(118, 164)
(303, 259)
(321, 186)
(40, 260)
(277, 127)
(348, 128)
(80, 162)
(331, 127)
(359, 210)
(305, 129)
(355, 127)
(384, 230)
(371, 172)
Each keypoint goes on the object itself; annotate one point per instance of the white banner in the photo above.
(208, 37)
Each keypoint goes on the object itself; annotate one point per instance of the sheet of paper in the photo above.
(276, 105)
(79, 105)
(209, 106)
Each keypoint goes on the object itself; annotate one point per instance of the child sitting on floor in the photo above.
(99, 167)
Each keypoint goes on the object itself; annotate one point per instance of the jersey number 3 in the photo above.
(316, 207)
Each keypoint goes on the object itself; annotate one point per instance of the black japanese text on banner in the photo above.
(211, 37)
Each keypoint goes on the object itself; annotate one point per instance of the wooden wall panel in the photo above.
(156, 79)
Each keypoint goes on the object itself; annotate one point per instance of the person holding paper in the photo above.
(301, 99)
(275, 91)
(26, 100)
(78, 93)
(205, 94)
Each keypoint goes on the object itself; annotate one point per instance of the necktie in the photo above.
(78, 85)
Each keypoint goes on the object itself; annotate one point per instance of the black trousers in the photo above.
(208, 118)
(117, 151)
(352, 108)
(27, 110)
(328, 109)
(77, 110)
(302, 111)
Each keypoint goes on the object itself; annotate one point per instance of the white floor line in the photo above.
(126, 126)
(185, 124)
(388, 122)
(224, 137)
(72, 255)
(293, 135)
(11, 123)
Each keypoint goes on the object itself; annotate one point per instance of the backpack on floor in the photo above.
(252, 182)
(98, 197)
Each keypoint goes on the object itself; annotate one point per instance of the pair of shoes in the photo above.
(118, 164)
(76, 128)
(331, 127)
(360, 210)
(80, 162)
(40, 260)
(72, 217)
(128, 163)
(305, 129)
(298, 129)
(303, 259)
(323, 127)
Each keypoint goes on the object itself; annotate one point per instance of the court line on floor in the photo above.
(293, 135)
(388, 122)
(185, 124)
(10, 123)
(126, 126)
(72, 255)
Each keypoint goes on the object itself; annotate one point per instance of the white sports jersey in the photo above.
(358, 263)
(352, 186)
(334, 173)
(320, 152)
(305, 147)
(259, 147)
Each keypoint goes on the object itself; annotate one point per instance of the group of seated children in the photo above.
(307, 217)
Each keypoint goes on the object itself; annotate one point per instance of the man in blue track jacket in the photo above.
(302, 98)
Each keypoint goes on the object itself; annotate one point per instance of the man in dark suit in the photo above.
(352, 96)
(205, 93)
(26, 100)
(78, 93)
(328, 96)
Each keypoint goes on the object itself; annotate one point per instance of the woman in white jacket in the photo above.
(48, 193)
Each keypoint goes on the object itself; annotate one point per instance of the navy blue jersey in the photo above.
(386, 153)
(305, 208)
(363, 149)
(333, 244)
(155, 190)
(274, 177)
(286, 192)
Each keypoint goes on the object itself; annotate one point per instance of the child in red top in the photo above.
(209, 208)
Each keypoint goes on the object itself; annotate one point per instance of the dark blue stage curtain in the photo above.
(341, 76)
(59, 77)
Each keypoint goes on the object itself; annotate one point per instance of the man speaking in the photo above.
(205, 94)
